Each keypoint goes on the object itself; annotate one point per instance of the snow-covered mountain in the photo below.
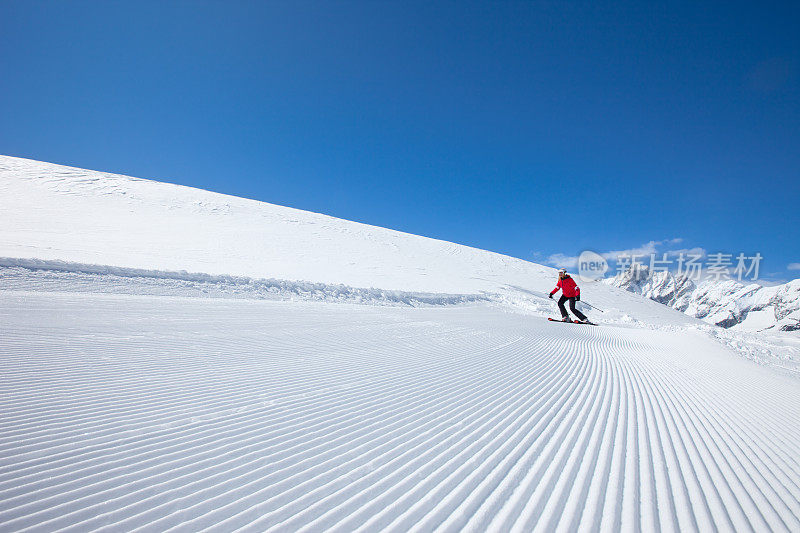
(178, 360)
(726, 303)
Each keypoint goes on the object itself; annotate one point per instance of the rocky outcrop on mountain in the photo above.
(726, 303)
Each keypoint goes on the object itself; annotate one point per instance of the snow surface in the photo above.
(175, 359)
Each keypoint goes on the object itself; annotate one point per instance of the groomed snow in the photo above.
(121, 412)
(174, 359)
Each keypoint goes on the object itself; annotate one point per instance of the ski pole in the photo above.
(593, 307)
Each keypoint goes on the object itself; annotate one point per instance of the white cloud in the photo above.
(793, 266)
(562, 261)
(653, 247)
(702, 252)
(644, 251)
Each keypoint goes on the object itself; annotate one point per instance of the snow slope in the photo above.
(174, 359)
(62, 213)
(62, 219)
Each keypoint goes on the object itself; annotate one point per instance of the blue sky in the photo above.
(531, 129)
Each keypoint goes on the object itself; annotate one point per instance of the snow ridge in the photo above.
(37, 274)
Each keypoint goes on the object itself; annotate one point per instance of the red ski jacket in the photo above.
(568, 287)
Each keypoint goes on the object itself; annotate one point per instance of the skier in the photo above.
(569, 291)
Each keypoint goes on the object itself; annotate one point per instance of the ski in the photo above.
(572, 321)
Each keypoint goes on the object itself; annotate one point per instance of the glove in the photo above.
(551, 295)
(578, 298)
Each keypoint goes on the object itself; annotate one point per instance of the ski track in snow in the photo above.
(187, 414)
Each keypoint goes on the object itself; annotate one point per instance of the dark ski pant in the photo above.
(563, 309)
